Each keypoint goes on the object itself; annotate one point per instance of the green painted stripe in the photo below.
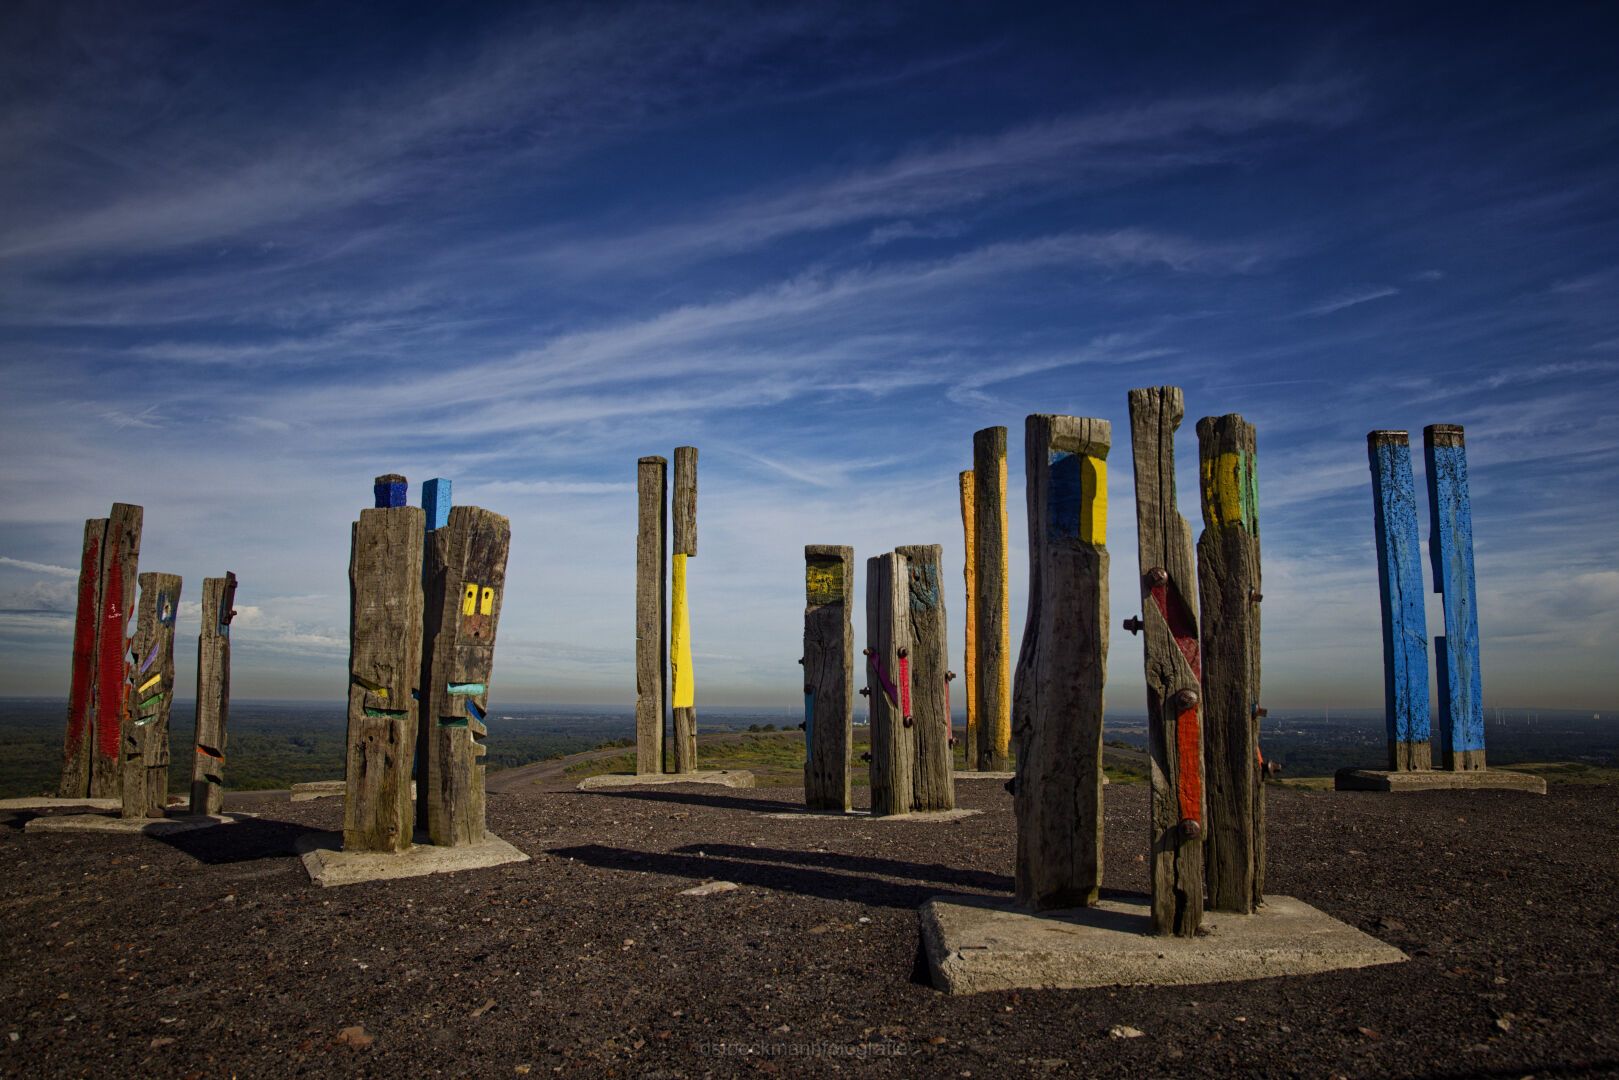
(452, 721)
(384, 714)
(153, 700)
(466, 688)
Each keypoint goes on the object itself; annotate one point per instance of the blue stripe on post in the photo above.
(389, 491)
(1399, 576)
(436, 501)
(1064, 496)
(1450, 545)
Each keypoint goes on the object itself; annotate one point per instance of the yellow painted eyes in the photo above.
(478, 601)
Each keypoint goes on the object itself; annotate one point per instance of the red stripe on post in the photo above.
(1189, 771)
(110, 663)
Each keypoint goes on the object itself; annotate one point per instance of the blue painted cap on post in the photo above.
(390, 491)
(436, 501)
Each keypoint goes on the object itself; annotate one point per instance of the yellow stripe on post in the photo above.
(1093, 500)
(1001, 737)
(685, 688)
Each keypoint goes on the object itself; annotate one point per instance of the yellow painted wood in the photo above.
(1093, 500)
(685, 688)
(1227, 488)
(486, 601)
(148, 684)
(1001, 736)
(469, 602)
(970, 665)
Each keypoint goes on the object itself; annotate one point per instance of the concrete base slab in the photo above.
(107, 823)
(974, 774)
(1438, 780)
(922, 818)
(45, 802)
(737, 778)
(975, 944)
(326, 789)
(328, 864)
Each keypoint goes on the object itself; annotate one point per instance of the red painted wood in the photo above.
(1189, 778)
(1180, 625)
(84, 649)
(110, 674)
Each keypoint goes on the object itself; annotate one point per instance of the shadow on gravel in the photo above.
(692, 798)
(818, 883)
(862, 864)
(18, 819)
(245, 841)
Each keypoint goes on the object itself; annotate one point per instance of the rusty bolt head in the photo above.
(1185, 699)
(1134, 624)
(1011, 786)
(867, 652)
(950, 676)
(865, 691)
(866, 756)
(801, 726)
(1255, 596)
(808, 689)
(1191, 829)
(909, 721)
(903, 653)
(1272, 768)
(952, 740)
(801, 661)
(1157, 577)
(1261, 711)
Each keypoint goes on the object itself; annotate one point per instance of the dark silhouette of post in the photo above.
(213, 694)
(992, 634)
(925, 675)
(893, 747)
(651, 612)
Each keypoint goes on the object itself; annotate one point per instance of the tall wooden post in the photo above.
(81, 698)
(969, 662)
(685, 538)
(992, 635)
(438, 496)
(213, 694)
(828, 675)
(1173, 665)
(462, 613)
(651, 612)
(385, 663)
(1399, 578)
(893, 747)
(927, 673)
(1229, 592)
(1062, 667)
(146, 725)
(116, 600)
(1450, 545)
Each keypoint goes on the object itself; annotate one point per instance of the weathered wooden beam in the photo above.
(461, 616)
(893, 746)
(437, 499)
(1062, 666)
(213, 694)
(385, 663)
(992, 635)
(1399, 578)
(1450, 545)
(926, 672)
(684, 696)
(828, 675)
(81, 698)
(120, 565)
(1173, 664)
(146, 722)
(1228, 579)
(651, 612)
(969, 662)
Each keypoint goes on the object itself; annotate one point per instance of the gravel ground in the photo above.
(211, 955)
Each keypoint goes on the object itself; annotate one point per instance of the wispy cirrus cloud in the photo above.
(1351, 297)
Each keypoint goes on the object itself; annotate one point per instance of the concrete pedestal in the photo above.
(1438, 780)
(328, 864)
(921, 818)
(107, 823)
(326, 789)
(736, 778)
(48, 802)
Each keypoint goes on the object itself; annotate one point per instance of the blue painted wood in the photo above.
(436, 501)
(389, 491)
(1399, 576)
(1064, 495)
(1450, 546)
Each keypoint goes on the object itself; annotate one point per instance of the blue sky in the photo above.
(253, 255)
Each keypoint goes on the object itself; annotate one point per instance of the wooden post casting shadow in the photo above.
(893, 749)
(1399, 578)
(81, 698)
(969, 661)
(685, 542)
(651, 612)
(146, 721)
(992, 635)
(828, 675)
(926, 674)
(1450, 545)
(213, 694)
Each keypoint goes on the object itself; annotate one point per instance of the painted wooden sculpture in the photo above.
(385, 662)
(828, 675)
(92, 761)
(1399, 577)
(213, 694)
(1173, 664)
(893, 747)
(465, 586)
(651, 612)
(969, 662)
(924, 678)
(1061, 672)
(1229, 591)
(1450, 546)
(684, 686)
(151, 697)
(992, 634)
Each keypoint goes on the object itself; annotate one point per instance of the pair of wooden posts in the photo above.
(426, 586)
(1207, 831)
(121, 689)
(663, 638)
(907, 684)
(1405, 632)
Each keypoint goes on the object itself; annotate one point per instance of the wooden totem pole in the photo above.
(146, 722)
(651, 609)
(1173, 665)
(1399, 577)
(992, 632)
(1062, 667)
(385, 663)
(92, 759)
(466, 580)
(893, 749)
(1229, 590)
(685, 538)
(969, 664)
(924, 678)
(828, 675)
(213, 694)
(1450, 546)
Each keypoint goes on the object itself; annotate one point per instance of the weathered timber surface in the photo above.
(829, 684)
(926, 670)
(213, 695)
(969, 660)
(461, 615)
(1399, 578)
(146, 721)
(1062, 666)
(651, 612)
(992, 635)
(682, 676)
(385, 662)
(1173, 664)
(120, 564)
(1228, 578)
(1450, 545)
(81, 697)
(893, 747)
